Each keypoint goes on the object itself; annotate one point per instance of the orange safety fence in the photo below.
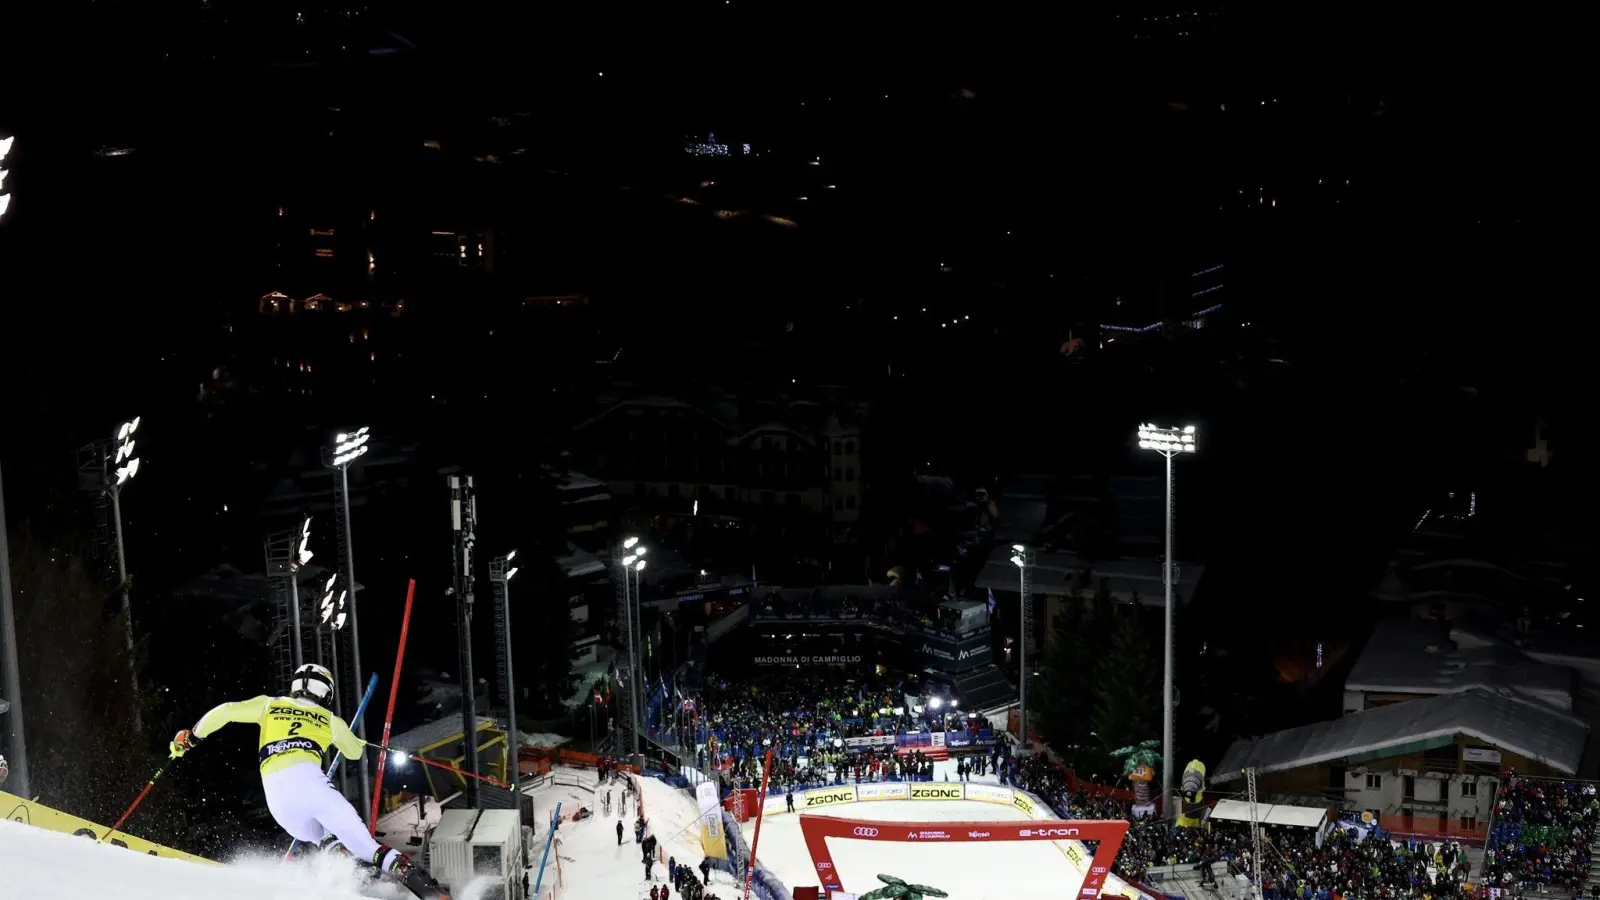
(538, 760)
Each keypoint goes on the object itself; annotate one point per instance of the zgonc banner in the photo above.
(27, 812)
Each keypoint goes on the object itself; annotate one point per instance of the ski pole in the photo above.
(136, 801)
(338, 757)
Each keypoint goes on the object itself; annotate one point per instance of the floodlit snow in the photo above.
(45, 865)
(591, 864)
(966, 871)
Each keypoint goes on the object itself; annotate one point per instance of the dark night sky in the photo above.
(1461, 253)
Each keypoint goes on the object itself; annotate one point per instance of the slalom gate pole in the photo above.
(338, 757)
(761, 809)
(388, 719)
(550, 839)
(137, 800)
(459, 771)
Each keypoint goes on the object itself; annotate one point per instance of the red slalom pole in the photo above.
(136, 801)
(761, 809)
(388, 718)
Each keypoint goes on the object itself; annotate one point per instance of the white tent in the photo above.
(1270, 814)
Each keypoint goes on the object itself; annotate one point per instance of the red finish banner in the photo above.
(1109, 832)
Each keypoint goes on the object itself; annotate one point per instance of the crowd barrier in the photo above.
(1076, 854)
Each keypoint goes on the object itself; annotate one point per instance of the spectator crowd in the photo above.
(1542, 833)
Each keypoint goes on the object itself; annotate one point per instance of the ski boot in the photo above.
(398, 867)
(332, 845)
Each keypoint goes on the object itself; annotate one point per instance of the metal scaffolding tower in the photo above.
(622, 710)
(463, 523)
(1256, 860)
(281, 573)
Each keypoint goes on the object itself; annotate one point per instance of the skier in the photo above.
(296, 732)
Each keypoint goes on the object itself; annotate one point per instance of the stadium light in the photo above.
(935, 702)
(5, 199)
(349, 446)
(628, 543)
(628, 560)
(638, 567)
(303, 554)
(501, 572)
(1169, 442)
(397, 759)
(1022, 558)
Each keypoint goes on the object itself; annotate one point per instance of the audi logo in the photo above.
(865, 832)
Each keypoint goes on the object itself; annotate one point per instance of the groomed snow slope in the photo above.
(591, 862)
(44, 865)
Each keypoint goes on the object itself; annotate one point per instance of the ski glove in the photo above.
(183, 742)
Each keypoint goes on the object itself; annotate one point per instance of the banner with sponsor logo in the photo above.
(885, 791)
(793, 660)
(989, 794)
(828, 797)
(937, 791)
(873, 740)
(955, 655)
(712, 839)
(27, 812)
(1021, 801)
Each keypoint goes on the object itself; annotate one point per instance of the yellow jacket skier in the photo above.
(296, 734)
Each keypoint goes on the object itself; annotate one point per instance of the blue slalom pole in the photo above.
(338, 757)
(555, 824)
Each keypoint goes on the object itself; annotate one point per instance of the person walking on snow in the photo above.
(297, 732)
(619, 832)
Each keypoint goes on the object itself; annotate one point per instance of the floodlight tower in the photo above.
(105, 467)
(1022, 558)
(628, 555)
(1168, 442)
(287, 552)
(463, 521)
(331, 618)
(349, 446)
(501, 571)
(10, 672)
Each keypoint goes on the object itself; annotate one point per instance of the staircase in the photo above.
(1594, 867)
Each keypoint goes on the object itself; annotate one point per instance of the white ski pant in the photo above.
(307, 806)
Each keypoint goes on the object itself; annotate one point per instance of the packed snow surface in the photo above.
(1012, 870)
(44, 865)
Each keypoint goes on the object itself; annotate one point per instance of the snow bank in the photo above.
(45, 865)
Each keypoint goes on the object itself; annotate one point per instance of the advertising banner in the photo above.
(937, 791)
(832, 796)
(791, 660)
(712, 839)
(885, 791)
(1021, 801)
(874, 740)
(955, 655)
(27, 812)
(989, 794)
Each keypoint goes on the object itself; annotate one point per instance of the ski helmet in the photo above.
(312, 682)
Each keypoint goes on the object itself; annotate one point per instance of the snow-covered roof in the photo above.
(435, 732)
(1057, 573)
(1408, 656)
(1270, 814)
(1530, 730)
(579, 563)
